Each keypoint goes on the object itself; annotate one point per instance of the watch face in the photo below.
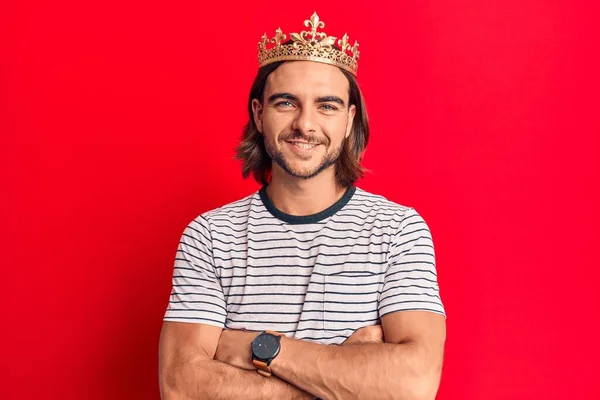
(265, 346)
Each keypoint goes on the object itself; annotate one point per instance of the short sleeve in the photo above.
(196, 295)
(410, 281)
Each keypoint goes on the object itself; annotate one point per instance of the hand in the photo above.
(234, 348)
(366, 334)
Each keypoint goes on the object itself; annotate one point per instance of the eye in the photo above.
(284, 104)
(328, 107)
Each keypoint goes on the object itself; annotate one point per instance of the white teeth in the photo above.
(305, 146)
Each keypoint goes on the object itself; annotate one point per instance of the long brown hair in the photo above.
(255, 160)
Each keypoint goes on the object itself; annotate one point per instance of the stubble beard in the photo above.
(329, 159)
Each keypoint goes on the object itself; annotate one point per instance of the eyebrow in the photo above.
(333, 99)
(288, 96)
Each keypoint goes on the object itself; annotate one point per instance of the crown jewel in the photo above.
(309, 46)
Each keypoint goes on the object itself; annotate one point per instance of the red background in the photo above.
(118, 123)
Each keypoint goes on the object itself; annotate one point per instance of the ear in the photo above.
(350, 122)
(257, 110)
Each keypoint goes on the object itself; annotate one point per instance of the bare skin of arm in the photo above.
(407, 366)
(190, 367)
(188, 371)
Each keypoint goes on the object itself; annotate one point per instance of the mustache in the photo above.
(297, 135)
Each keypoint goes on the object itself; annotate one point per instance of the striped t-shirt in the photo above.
(247, 265)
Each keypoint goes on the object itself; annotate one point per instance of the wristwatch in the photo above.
(265, 347)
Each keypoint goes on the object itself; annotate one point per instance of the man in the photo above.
(310, 287)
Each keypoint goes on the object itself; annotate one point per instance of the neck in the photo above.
(297, 196)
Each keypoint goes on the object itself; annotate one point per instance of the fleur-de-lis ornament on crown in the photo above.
(309, 46)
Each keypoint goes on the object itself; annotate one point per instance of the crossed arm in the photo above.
(188, 369)
(203, 362)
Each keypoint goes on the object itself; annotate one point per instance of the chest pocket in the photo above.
(350, 298)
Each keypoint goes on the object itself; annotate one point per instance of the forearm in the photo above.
(210, 379)
(374, 371)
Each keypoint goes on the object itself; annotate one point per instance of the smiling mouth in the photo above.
(302, 145)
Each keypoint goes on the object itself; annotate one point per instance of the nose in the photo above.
(305, 120)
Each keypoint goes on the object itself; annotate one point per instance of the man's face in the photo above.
(304, 117)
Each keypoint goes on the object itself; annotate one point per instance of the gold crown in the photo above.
(309, 46)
